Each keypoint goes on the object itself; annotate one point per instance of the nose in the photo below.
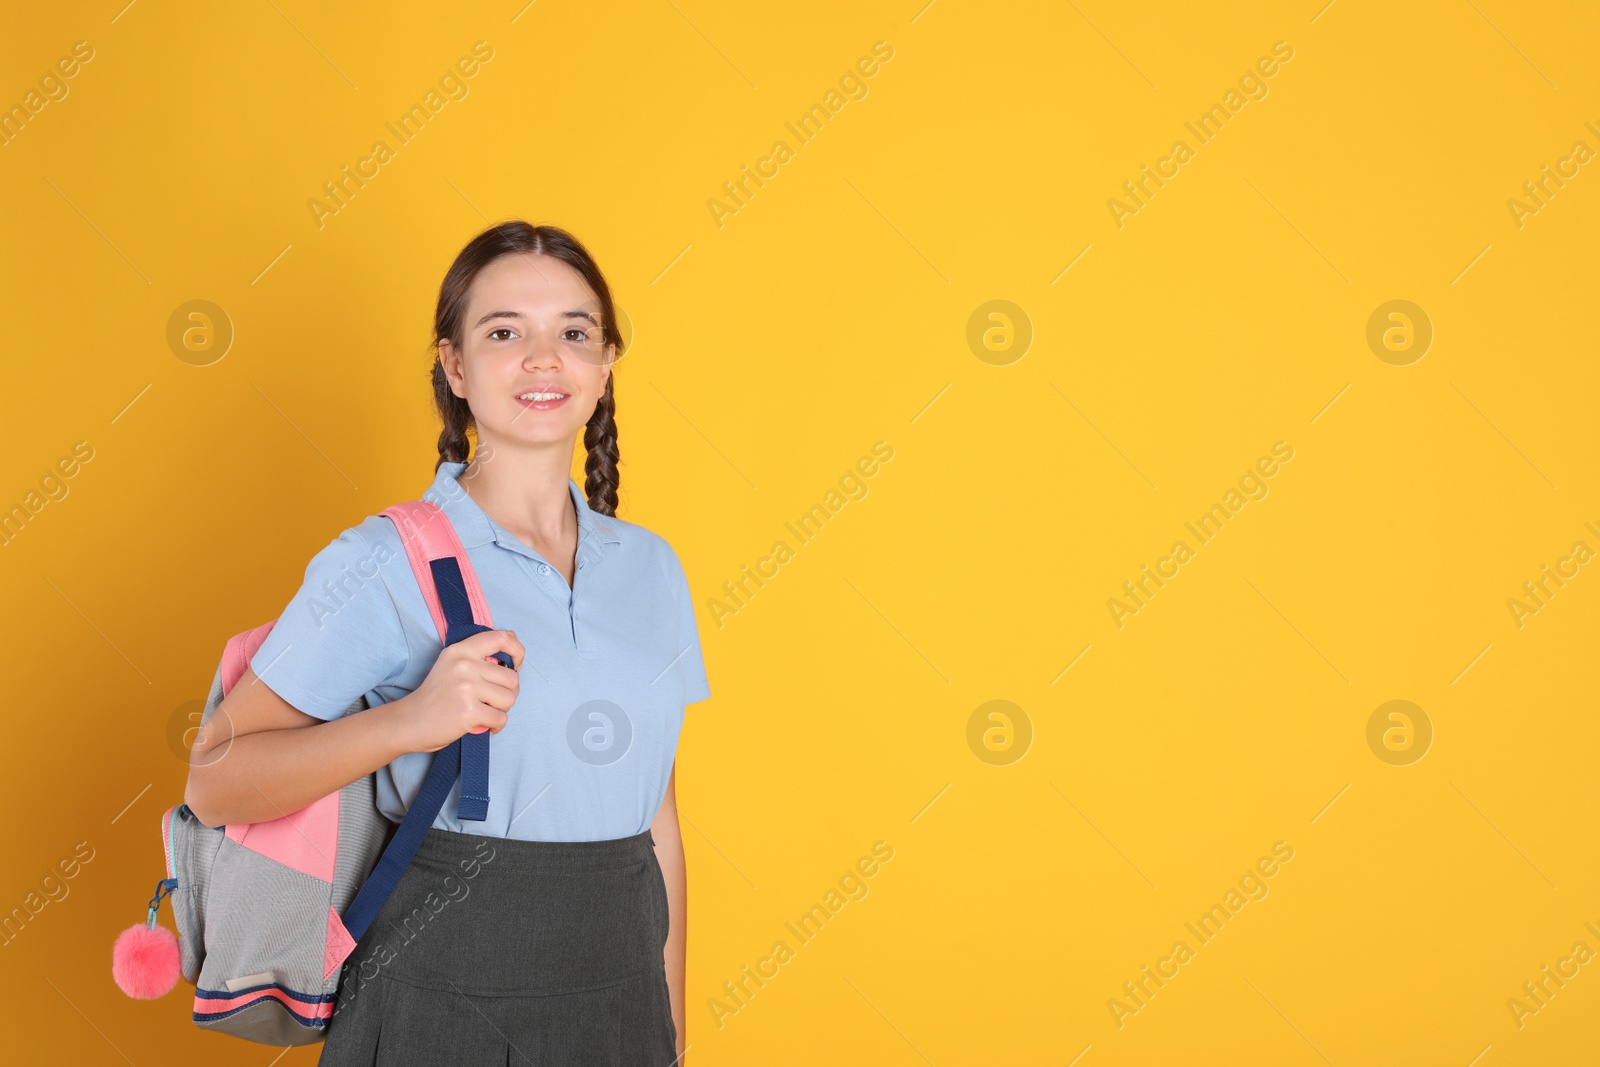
(543, 351)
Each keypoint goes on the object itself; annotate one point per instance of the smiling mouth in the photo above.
(542, 399)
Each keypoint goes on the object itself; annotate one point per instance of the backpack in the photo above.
(267, 912)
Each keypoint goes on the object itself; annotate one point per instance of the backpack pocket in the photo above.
(191, 849)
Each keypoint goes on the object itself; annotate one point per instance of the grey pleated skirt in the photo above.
(498, 953)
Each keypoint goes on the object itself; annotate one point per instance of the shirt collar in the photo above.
(475, 528)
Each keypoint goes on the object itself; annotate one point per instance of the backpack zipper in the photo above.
(166, 838)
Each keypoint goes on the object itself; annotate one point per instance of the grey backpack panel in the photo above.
(253, 932)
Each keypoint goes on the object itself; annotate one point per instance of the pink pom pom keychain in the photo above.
(144, 959)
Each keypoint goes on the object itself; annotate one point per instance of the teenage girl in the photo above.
(552, 932)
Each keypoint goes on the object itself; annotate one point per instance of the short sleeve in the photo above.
(340, 636)
(691, 664)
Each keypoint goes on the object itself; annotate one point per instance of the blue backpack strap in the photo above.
(473, 805)
(467, 757)
(403, 846)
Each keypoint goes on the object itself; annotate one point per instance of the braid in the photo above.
(456, 417)
(600, 466)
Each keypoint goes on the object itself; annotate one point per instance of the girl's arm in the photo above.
(669, 854)
(259, 757)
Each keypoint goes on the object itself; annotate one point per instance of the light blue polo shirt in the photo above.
(610, 666)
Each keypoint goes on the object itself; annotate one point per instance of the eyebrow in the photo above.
(587, 316)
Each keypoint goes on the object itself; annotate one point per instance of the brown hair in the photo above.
(600, 436)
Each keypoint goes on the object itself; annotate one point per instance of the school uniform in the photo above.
(550, 950)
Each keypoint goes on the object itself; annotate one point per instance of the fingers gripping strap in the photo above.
(459, 610)
(473, 805)
(450, 588)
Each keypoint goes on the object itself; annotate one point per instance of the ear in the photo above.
(450, 360)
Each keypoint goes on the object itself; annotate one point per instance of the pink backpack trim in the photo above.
(427, 540)
(238, 652)
(306, 840)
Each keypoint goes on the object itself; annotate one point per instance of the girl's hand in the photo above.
(464, 690)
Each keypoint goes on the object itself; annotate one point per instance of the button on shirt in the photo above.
(611, 663)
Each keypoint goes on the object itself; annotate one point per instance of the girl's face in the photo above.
(529, 366)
